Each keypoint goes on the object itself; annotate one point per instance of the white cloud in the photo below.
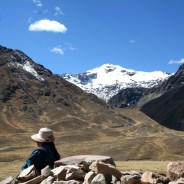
(38, 3)
(47, 25)
(181, 61)
(70, 46)
(58, 11)
(57, 50)
(132, 41)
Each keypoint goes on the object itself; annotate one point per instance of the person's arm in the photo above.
(34, 159)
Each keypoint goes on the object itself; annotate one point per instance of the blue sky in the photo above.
(72, 36)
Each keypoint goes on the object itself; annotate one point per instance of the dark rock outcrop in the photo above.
(129, 97)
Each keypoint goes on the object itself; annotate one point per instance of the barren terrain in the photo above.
(143, 146)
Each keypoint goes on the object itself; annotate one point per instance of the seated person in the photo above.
(46, 153)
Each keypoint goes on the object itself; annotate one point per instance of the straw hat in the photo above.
(44, 135)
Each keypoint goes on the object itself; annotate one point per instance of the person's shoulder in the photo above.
(37, 151)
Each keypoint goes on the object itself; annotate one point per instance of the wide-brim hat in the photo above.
(44, 135)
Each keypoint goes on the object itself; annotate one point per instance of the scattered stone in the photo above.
(106, 169)
(154, 178)
(131, 179)
(46, 171)
(59, 173)
(75, 175)
(36, 180)
(73, 160)
(180, 181)
(99, 179)
(89, 177)
(67, 182)
(48, 180)
(175, 170)
(98, 172)
(87, 159)
(27, 174)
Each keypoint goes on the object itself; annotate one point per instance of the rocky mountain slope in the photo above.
(107, 80)
(129, 97)
(168, 108)
(31, 96)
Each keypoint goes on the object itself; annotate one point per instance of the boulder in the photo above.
(99, 179)
(8, 180)
(180, 181)
(175, 170)
(27, 174)
(153, 178)
(131, 179)
(67, 182)
(35, 180)
(75, 175)
(48, 180)
(105, 169)
(59, 173)
(46, 171)
(89, 177)
(84, 159)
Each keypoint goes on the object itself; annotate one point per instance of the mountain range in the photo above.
(147, 91)
(32, 97)
(107, 80)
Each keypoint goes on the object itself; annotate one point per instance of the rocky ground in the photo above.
(95, 169)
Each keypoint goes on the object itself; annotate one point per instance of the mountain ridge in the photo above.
(170, 103)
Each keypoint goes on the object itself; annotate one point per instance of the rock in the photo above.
(67, 182)
(106, 169)
(131, 179)
(8, 180)
(84, 159)
(73, 160)
(48, 180)
(36, 180)
(75, 175)
(133, 173)
(175, 170)
(59, 173)
(46, 171)
(89, 177)
(154, 178)
(99, 179)
(28, 174)
(180, 181)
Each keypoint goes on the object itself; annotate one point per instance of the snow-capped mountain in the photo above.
(108, 79)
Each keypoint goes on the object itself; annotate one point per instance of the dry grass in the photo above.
(143, 165)
(10, 169)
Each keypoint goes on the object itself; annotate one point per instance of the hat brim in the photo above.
(37, 138)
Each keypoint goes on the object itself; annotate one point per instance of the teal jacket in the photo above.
(40, 158)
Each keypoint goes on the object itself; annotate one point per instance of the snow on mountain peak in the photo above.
(108, 79)
(25, 64)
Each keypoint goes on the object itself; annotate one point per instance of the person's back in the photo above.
(45, 154)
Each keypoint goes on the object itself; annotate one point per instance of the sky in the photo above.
(73, 36)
